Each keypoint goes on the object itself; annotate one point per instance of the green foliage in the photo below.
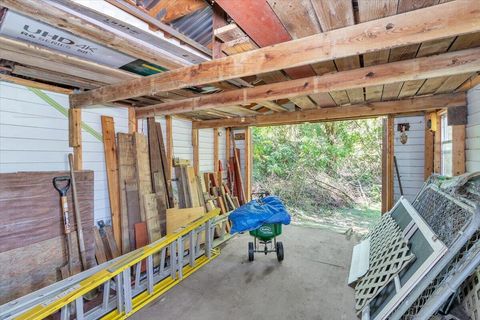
(321, 165)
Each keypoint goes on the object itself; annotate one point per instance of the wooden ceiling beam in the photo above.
(457, 62)
(46, 12)
(365, 110)
(436, 22)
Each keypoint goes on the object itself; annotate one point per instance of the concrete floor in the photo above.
(309, 284)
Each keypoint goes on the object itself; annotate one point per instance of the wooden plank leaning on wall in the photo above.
(111, 163)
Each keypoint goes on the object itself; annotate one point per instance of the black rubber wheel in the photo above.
(250, 251)
(279, 251)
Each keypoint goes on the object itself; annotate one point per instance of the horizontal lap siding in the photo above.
(410, 157)
(205, 150)
(94, 157)
(34, 137)
(473, 131)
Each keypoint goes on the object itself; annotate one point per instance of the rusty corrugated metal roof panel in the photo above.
(197, 26)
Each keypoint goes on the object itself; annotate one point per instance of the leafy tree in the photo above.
(320, 165)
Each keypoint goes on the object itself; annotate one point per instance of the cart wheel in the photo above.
(279, 251)
(250, 251)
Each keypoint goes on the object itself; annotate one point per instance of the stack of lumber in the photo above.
(137, 166)
(147, 206)
(32, 239)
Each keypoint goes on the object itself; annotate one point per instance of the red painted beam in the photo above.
(262, 25)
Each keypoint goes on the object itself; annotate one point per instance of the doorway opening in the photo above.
(328, 174)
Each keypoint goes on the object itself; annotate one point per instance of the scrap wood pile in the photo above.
(146, 203)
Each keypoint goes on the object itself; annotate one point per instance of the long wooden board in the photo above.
(126, 175)
(437, 22)
(111, 162)
(142, 166)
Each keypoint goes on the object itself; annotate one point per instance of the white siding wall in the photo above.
(34, 137)
(205, 150)
(410, 157)
(473, 130)
(94, 157)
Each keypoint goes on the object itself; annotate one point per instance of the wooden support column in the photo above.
(196, 162)
(437, 149)
(458, 149)
(228, 145)
(248, 163)
(132, 120)
(429, 145)
(387, 164)
(215, 149)
(390, 165)
(169, 145)
(75, 137)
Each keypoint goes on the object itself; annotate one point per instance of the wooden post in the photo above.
(387, 164)
(132, 120)
(429, 137)
(437, 150)
(196, 164)
(228, 145)
(458, 149)
(248, 163)
(390, 154)
(111, 163)
(75, 136)
(169, 145)
(215, 149)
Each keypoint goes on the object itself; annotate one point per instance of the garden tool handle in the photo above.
(63, 191)
(63, 200)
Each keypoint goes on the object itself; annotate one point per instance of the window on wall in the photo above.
(446, 150)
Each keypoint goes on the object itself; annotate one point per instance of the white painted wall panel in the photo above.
(473, 130)
(410, 157)
(93, 153)
(34, 137)
(205, 150)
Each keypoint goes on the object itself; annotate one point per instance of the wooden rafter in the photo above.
(437, 22)
(458, 62)
(365, 110)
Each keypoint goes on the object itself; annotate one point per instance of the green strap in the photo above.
(42, 95)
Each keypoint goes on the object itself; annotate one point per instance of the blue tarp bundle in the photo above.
(256, 213)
